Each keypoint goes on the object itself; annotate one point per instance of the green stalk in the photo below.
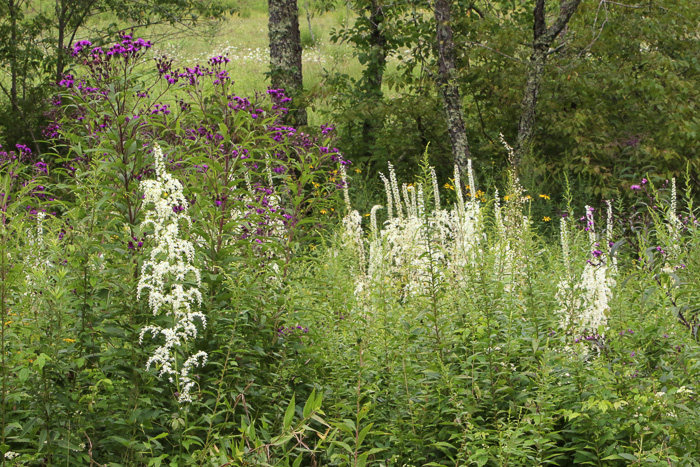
(3, 292)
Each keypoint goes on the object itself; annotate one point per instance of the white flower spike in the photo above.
(169, 276)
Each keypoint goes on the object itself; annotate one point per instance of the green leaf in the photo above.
(41, 360)
(344, 446)
(289, 414)
(42, 439)
(23, 374)
(362, 434)
(310, 402)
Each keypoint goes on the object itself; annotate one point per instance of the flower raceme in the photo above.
(168, 276)
(414, 239)
(584, 299)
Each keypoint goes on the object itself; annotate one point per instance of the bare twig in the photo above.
(622, 4)
(92, 461)
(477, 44)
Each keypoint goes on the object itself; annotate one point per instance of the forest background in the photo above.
(618, 98)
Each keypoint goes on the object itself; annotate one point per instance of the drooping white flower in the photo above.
(170, 277)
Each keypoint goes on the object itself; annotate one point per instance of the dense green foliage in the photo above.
(618, 100)
(452, 325)
(36, 37)
(447, 337)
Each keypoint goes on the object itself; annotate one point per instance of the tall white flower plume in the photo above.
(585, 300)
(170, 277)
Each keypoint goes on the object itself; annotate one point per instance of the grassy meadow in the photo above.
(243, 38)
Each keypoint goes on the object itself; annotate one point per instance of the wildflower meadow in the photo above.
(187, 280)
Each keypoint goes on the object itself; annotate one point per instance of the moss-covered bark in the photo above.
(448, 86)
(285, 54)
(543, 38)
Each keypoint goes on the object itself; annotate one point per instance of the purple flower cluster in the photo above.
(292, 330)
(279, 99)
(21, 155)
(135, 244)
(105, 101)
(163, 109)
(639, 187)
(127, 47)
(590, 338)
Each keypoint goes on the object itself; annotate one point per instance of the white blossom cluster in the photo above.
(673, 226)
(416, 247)
(584, 299)
(512, 230)
(37, 262)
(465, 226)
(170, 277)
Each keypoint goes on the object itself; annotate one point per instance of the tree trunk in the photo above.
(543, 38)
(285, 53)
(60, 46)
(449, 90)
(373, 75)
(12, 8)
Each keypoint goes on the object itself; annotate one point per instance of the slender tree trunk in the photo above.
(543, 38)
(60, 59)
(285, 53)
(373, 74)
(12, 8)
(449, 90)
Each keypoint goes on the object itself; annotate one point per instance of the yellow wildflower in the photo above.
(544, 196)
(323, 211)
(358, 171)
(448, 186)
(70, 341)
(546, 218)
